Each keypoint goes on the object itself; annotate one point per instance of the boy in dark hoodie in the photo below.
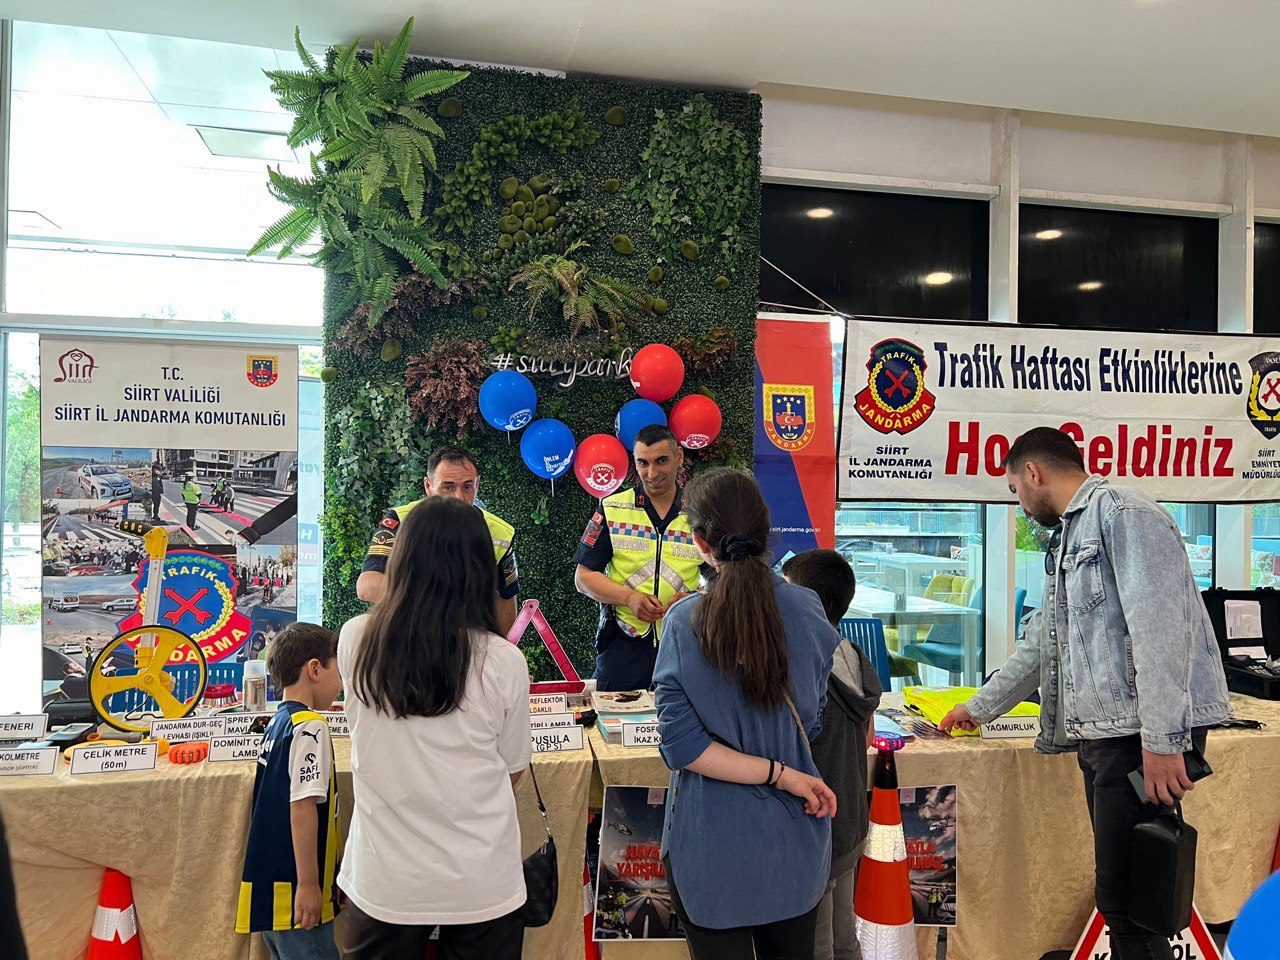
(840, 750)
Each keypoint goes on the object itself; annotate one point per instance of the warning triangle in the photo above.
(1193, 943)
(530, 612)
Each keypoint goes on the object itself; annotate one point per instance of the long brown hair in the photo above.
(738, 624)
(416, 651)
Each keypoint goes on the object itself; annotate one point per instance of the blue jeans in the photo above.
(314, 944)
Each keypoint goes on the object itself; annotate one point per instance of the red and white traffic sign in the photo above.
(1193, 943)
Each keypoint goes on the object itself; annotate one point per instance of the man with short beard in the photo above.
(1122, 650)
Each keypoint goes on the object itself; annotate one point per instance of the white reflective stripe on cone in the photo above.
(885, 843)
(109, 921)
(885, 942)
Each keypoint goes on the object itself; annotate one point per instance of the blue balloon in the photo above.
(507, 400)
(1256, 931)
(634, 416)
(547, 448)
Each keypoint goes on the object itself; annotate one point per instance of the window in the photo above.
(1102, 268)
(1266, 278)
(919, 565)
(138, 180)
(878, 254)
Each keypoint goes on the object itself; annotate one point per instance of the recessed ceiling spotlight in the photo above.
(1090, 285)
(938, 279)
(819, 213)
(1048, 234)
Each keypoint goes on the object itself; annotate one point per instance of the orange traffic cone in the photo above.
(115, 926)
(883, 918)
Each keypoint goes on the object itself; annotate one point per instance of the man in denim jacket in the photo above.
(1122, 650)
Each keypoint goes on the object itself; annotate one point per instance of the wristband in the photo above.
(782, 768)
(768, 781)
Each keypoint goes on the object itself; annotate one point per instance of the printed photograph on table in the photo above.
(929, 823)
(633, 901)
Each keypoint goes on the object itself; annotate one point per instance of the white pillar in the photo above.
(1233, 535)
(1001, 560)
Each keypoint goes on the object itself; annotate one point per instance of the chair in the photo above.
(1019, 606)
(943, 645)
(867, 634)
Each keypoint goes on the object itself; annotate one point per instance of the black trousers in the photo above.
(1114, 810)
(193, 509)
(12, 946)
(361, 937)
(790, 939)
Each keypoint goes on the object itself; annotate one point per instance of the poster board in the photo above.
(632, 898)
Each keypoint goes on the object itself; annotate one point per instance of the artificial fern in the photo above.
(369, 183)
(587, 301)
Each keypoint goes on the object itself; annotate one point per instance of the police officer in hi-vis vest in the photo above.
(636, 557)
(451, 472)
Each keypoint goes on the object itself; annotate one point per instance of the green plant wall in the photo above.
(591, 139)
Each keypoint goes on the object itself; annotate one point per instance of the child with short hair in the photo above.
(839, 751)
(288, 890)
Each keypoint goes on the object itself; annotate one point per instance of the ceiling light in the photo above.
(819, 213)
(1048, 234)
(938, 279)
(246, 144)
(30, 221)
(1090, 285)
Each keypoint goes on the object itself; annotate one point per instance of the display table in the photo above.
(1025, 872)
(179, 833)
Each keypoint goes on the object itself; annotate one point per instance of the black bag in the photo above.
(1162, 872)
(541, 874)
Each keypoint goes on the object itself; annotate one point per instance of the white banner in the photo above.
(165, 393)
(931, 408)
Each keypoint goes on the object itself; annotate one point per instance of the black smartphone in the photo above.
(1197, 769)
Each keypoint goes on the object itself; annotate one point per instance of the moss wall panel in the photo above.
(376, 442)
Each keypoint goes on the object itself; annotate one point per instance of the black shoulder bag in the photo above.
(541, 875)
(1162, 872)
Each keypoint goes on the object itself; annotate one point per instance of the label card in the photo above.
(1010, 728)
(339, 724)
(548, 703)
(114, 759)
(189, 729)
(222, 749)
(31, 762)
(546, 721)
(557, 739)
(641, 734)
(24, 726)
(238, 724)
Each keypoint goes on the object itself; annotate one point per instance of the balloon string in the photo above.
(553, 487)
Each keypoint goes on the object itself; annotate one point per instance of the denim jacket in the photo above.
(1122, 643)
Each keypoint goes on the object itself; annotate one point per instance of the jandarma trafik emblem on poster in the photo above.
(895, 399)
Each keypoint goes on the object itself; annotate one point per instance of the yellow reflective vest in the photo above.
(500, 531)
(642, 559)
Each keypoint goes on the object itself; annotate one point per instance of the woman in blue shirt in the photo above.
(740, 682)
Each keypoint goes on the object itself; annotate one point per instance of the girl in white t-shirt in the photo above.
(439, 713)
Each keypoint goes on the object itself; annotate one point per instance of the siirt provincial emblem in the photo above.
(1264, 394)
(788, 420)
(263, 371)
(895, 399)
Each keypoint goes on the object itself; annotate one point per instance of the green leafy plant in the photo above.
(540, 515)
(443, 384)
(593, 301)
(696, 178)
(369, 181)
(708, 351)
(468, 184)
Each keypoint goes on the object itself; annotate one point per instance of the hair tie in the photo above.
(735, 546)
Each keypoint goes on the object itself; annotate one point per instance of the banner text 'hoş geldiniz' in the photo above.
(931, 409)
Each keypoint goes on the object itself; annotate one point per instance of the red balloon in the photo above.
(696, 421)
(657, 372)
(601, 464)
